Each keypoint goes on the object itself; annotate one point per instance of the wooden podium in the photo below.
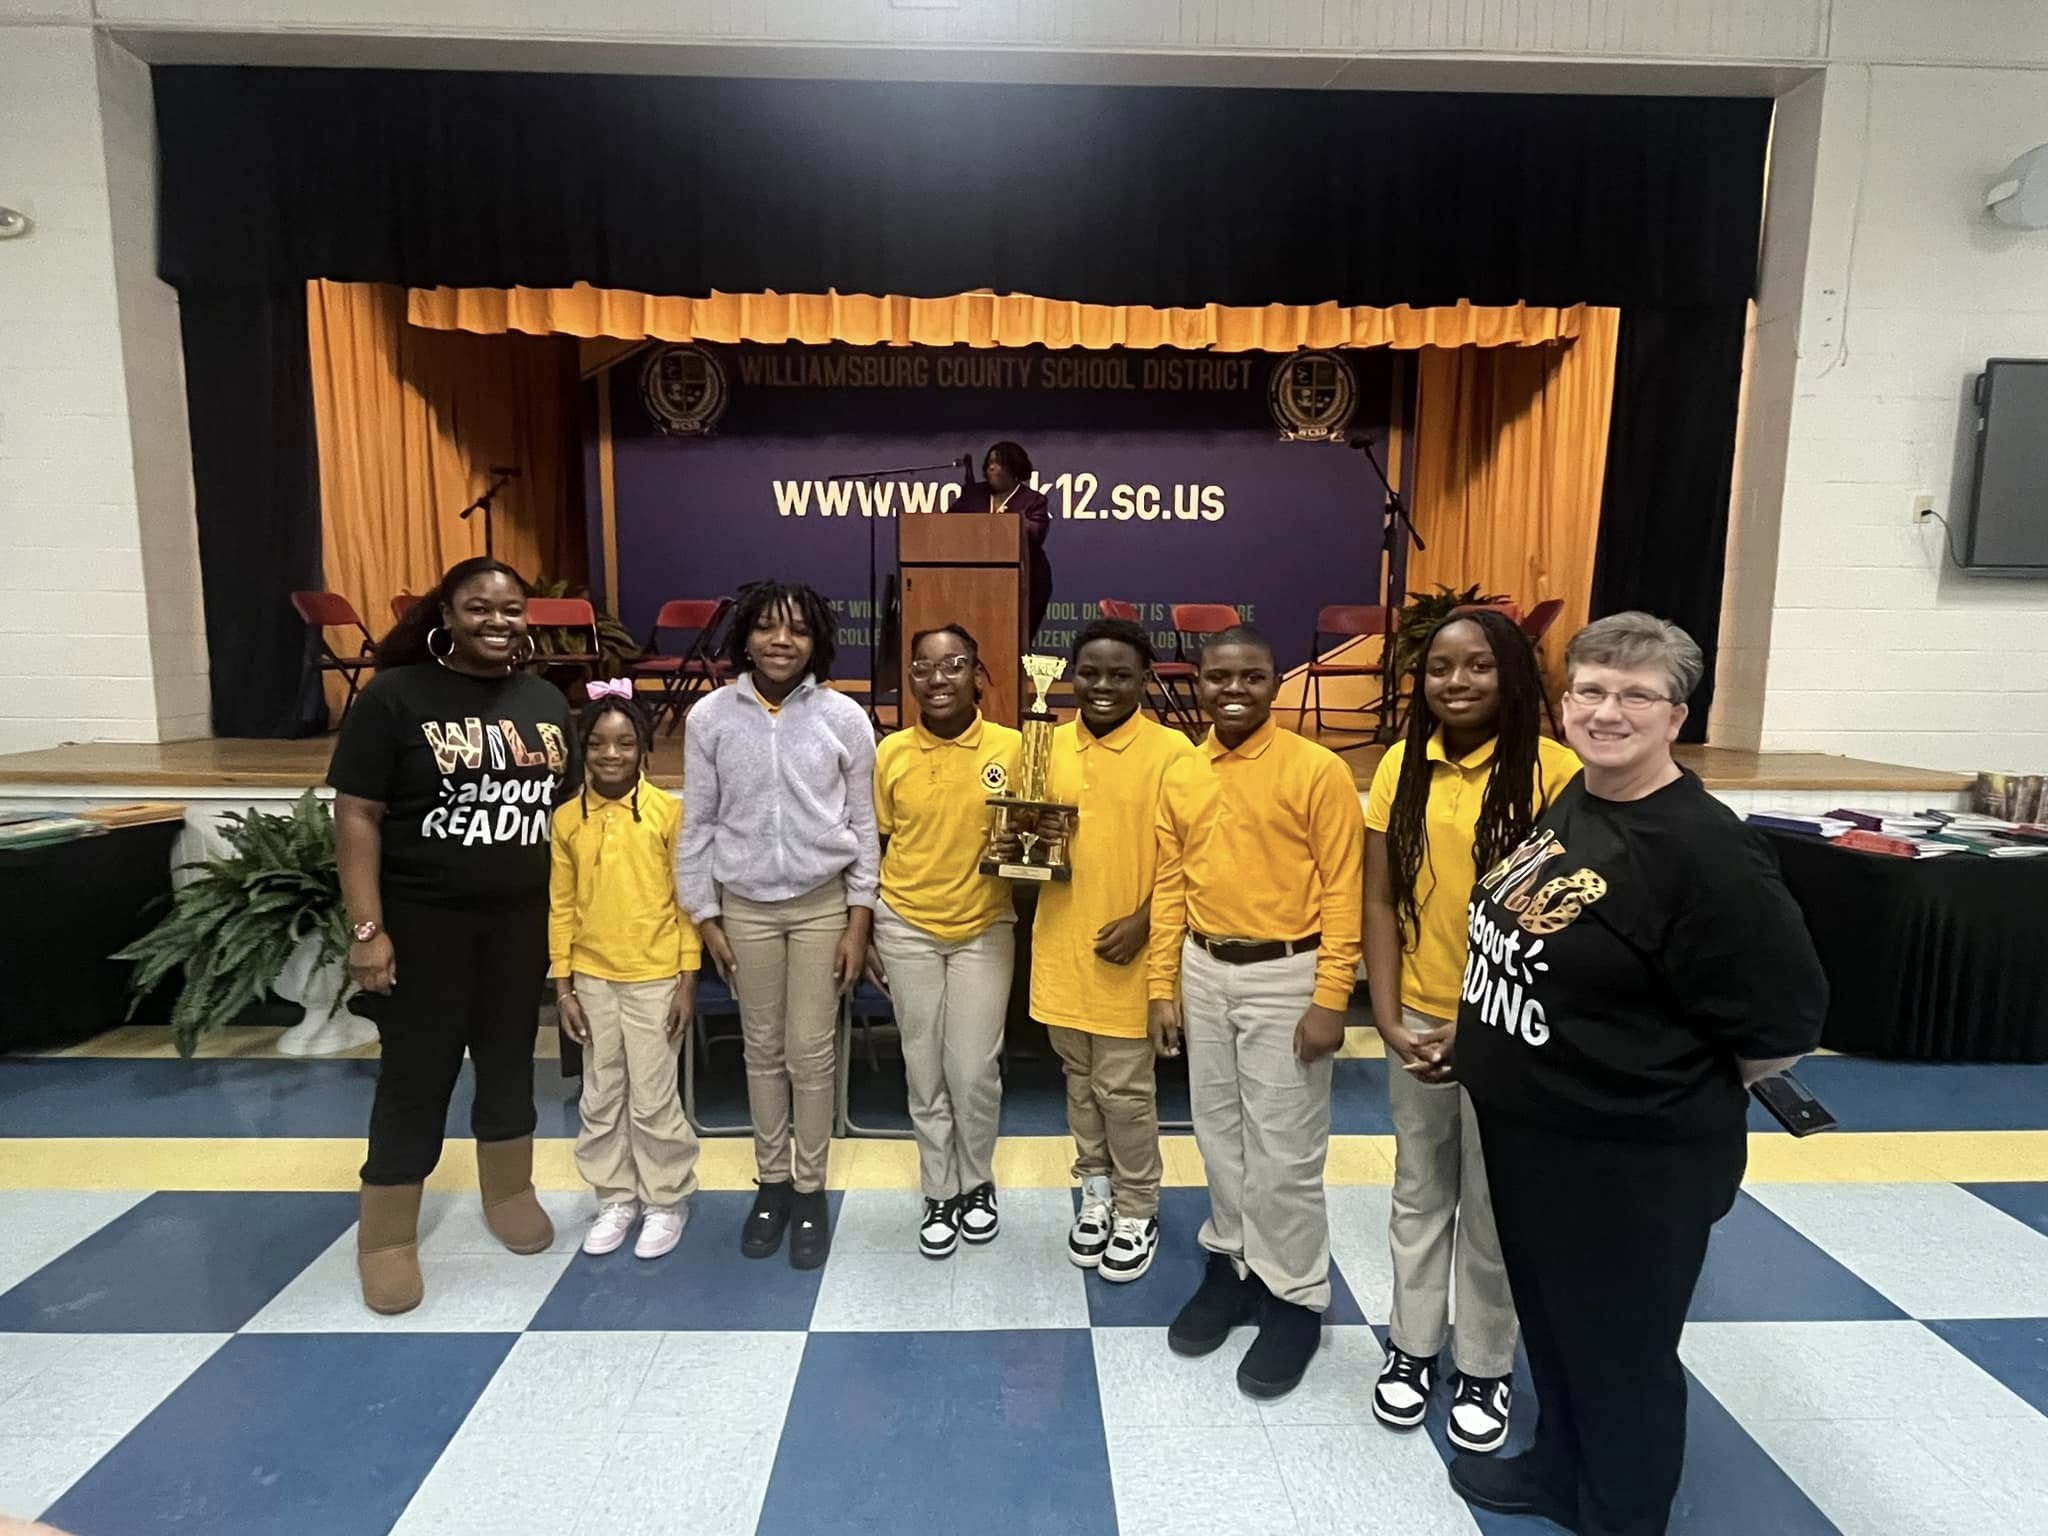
(968, 569)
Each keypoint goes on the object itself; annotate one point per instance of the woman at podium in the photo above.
(1006, 486)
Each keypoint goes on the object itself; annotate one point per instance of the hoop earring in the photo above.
(532, 650)
(440, 655)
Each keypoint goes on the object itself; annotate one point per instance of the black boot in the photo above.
(1517, 1486)
(811, 1238)
(1220, 1303)
(1288, 1336)
(762, 1234)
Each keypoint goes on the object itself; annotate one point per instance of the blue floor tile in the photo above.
(1760, 1270)
(2012, 1349)
(891, 1433)
(2022, 1202)
(1177, 1269)
(179, 1263)
(1871, 1095)
(296, 1435)
(704, 1284)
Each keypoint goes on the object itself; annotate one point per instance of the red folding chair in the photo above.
(322, 611)
(1192, 622)
(1537, 624)
(1352, 624)
(1157, 697)
(1512, 610)
(696, 668)
(570, 613)
(401, 605)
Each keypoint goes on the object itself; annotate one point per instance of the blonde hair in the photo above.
(1631, 640)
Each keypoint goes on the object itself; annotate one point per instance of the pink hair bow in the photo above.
(614, 688)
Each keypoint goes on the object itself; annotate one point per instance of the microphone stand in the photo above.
(874, 598)
(1394, 523)
(483, 504)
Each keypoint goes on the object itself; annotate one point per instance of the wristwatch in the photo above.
(365, 931)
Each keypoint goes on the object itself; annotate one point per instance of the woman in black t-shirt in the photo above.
(1630, 969)
(446, 776)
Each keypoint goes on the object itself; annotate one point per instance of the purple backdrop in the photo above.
(1168, 479)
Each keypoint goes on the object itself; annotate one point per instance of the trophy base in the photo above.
(1040, 873)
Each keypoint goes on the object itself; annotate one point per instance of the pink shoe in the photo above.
(611, 1227)
(660, 1232)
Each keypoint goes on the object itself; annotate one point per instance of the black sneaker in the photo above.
(938, 1234)
(978, 1220)
(810, 1236)
(1219, 1304)
(1288, 1336)
(762, 1234)
(1516, 1486)
(1401, 1397)
(1479, 1413)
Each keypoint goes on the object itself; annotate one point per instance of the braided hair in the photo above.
(763, 597)
(643, 731)
(1512, 800)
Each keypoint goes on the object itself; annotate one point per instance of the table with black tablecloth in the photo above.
(64, 908)
(1942, 959)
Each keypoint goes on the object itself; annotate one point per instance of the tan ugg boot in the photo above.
(504, 1169)
(387, 1248)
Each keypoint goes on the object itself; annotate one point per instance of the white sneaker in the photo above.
(659, 1232)
(938, 1233)
(1089, 1235)
(1131, 1246)
(611, 1227)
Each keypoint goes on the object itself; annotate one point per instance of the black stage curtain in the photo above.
(1101, 194)
(1670, 460)
(249, 399)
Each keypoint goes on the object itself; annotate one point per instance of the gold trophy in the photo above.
(1024, 818)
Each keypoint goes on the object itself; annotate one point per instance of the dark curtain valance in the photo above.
(1116, 195)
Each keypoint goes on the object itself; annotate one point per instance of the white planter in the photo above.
(323, 992)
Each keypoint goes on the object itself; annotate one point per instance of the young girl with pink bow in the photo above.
(625, 958)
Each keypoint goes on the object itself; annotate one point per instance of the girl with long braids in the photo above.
(1450, 800)
(624, 959)
(778, 868)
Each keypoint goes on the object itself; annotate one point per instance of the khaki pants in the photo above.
(1262, 1119)
(789, 1020)
(635, 1143)
(1443, 1219)
(951, 1000)
(1113, 1111)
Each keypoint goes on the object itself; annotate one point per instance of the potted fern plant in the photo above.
(265, 916)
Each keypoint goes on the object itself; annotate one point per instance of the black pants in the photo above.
(466, 978)
(1604, 1241)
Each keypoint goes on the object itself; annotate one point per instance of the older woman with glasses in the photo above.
(1632, 967)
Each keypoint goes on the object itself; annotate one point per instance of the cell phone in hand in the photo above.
(1792, 1106)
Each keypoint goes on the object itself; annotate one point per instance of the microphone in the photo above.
(505, 471)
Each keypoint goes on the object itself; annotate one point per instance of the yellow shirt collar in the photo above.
(1116, 740)
(1478, 757)
(969, 738)
(1254, 747)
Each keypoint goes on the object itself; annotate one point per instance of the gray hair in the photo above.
(1631, 640)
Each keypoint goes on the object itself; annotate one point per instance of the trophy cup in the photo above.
(1040, 828)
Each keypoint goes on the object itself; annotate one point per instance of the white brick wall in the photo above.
(99, 631)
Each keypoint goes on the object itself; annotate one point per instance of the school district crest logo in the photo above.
(684, 390)
(1312, 395)
(994, 779)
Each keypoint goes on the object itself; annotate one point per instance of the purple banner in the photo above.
(1168, 475)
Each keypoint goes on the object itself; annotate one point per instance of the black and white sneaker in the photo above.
(977, 1214)
(1401, 1397)
(1479, 1413)
(1132, 1242)
(938, 1234)
(1089, 1236)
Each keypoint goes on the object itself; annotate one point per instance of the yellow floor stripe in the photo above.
(1022, 1162)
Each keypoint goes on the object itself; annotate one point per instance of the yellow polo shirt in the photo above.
(612, 908)
(1114, 779)
(1263, 841)
(1433, 964)
(931, 803)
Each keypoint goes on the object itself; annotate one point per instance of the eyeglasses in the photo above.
(1634, 700)
(945, 666)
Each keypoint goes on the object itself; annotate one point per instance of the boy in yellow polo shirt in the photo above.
(1088, 940)
(945, 934)
(1256, 921)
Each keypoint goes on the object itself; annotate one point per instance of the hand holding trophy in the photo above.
(1029, 834)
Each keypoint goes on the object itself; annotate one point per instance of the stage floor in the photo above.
(274, 766)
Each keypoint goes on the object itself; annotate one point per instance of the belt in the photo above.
(1253, 951)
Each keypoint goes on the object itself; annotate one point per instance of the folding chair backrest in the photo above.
(1541, 617)
(1350, 620)
(402, 604)
(326, 610)
(561, 612)
(1110, 608)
